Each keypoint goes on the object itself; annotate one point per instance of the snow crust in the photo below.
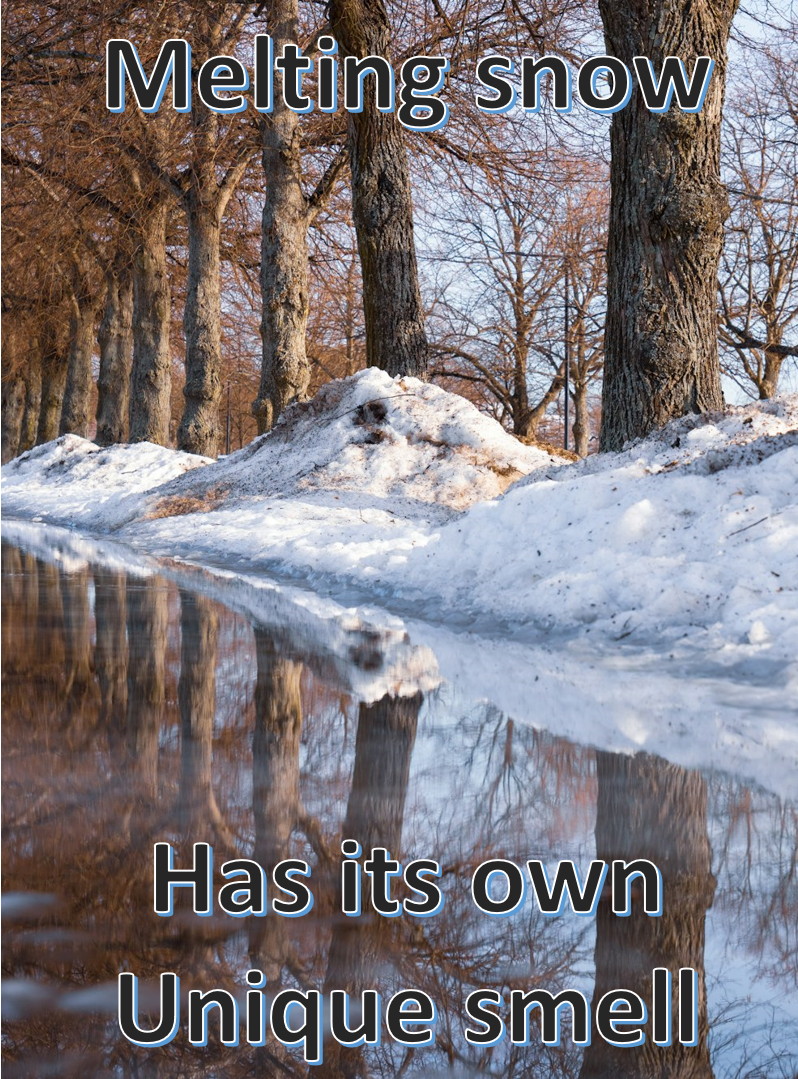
(686, 542)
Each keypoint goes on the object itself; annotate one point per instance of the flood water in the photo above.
(139, 710)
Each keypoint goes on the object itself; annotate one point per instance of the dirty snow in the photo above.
(687, 541)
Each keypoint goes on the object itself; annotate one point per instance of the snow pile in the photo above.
(691, 532)
(74, 481)
(402, 443)
(686, 541)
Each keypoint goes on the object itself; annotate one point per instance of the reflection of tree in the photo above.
(648, 808)
(196, 695)
(77, 638)
(386, 733)
(147, 619)
(275, 786)
(110, 654)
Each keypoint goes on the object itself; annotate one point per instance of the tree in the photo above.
(759, 269)
(667, 210)
(382, 208)
(288, 213)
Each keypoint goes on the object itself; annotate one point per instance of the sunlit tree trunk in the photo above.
(13, 413)
(76, 408)
(55, 359)
(151, 375)
(667, 210)
(33, 399)
(382, 206)
(285, 371)
(116, 354)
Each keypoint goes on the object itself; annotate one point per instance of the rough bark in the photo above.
(359, 948)
(275, 787)
(13, 412)
(33, 400)
(648, 808)
(667, 211)
(581, 428)
(199, 427)
(76, 409)
(151, 376)
(116, 355)
(285, 371)
(55, 359)
(382, 206)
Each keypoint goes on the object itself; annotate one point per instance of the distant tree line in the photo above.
(183, 278)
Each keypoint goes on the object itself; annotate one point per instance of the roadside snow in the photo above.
(686, 541)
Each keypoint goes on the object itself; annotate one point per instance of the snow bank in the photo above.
(76, 482)
(685, 541)
(691, 532)
(399, 443)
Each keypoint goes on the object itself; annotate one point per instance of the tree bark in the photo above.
(648, 808)
(199, 427)
(76, 410)
(55, 359)
(382, 208)
(151, 376)
(33, 399)
(581, 418)
(285, 371)
(667, 211)
(13, 412)
(116, 355)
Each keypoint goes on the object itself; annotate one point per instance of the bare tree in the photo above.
(667, 211)
(759, 268)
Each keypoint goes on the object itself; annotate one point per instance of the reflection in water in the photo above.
(648, 808)
(136, 711)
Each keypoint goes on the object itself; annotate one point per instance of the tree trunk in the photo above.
(382, 207)
(55, 360)
(769, 386)
(285, 371)
(648, 808)
(76, 410)
(199, 427)
(581, 418)
(116, 355)
(667, 211)
(151, 376)
(33, 400)
(13, 412)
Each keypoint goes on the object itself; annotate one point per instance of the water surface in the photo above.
(140, 708)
